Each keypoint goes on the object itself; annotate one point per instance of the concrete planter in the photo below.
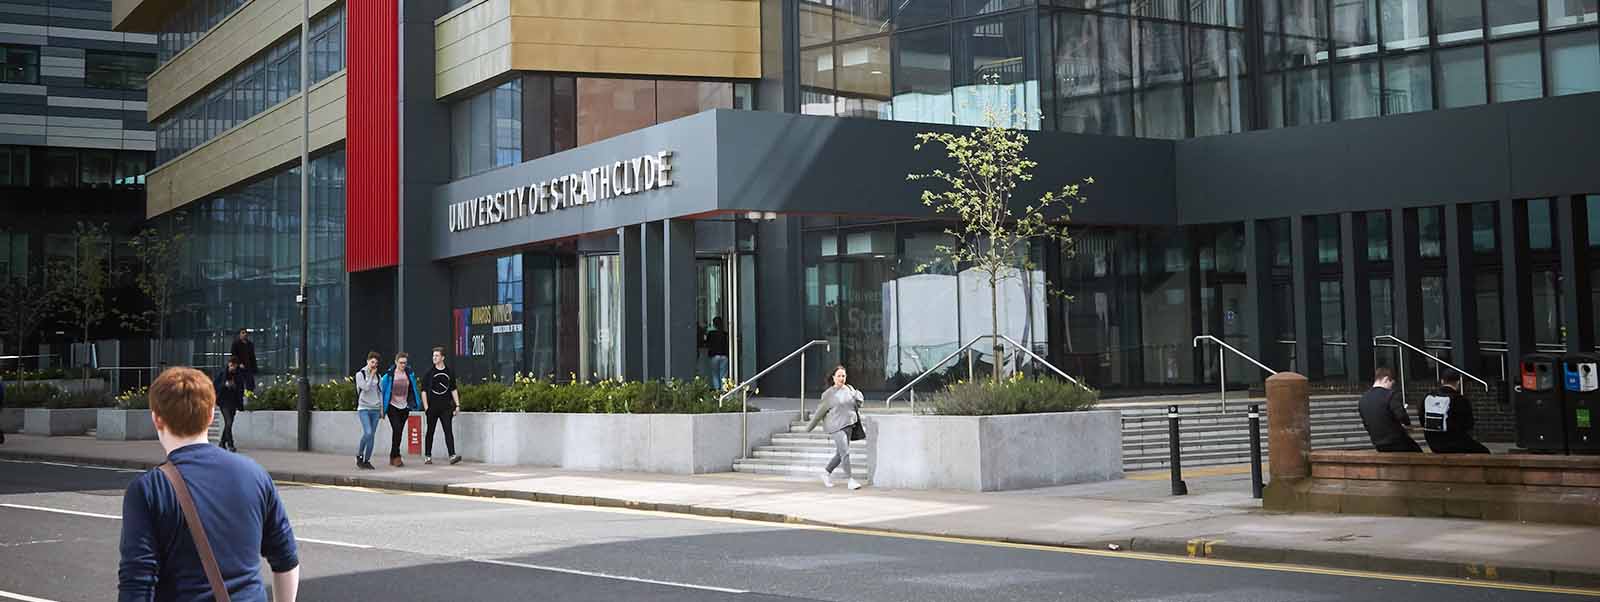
(51, 423)
(994, 453)
(10, 420)
(124, 425)
(660, 443)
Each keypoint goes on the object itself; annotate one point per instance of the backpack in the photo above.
(1436, 413)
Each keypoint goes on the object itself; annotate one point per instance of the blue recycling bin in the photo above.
(1581, 401)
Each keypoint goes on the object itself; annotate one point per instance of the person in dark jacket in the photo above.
(236, 501)
(1447, 421)
(1385, 415)
(245, 351)
(229, 384)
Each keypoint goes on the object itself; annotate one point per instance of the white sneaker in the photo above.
(429, 460)
(854, 484)
(827, 479)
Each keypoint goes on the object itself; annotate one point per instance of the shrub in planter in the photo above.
(134, 399)
(334, 396)
(1016, 395)
(30, 395)
(485, 397)
(81, 400)
(281, 395)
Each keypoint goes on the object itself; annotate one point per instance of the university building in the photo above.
(583, 187)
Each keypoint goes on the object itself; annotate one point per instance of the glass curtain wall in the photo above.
(932, 61)
(239, 269)
(602, 316)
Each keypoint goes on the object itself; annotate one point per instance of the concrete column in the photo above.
(679, 288)
(1258, 294)
(1357, 285)
(654, 327)
(1307, 297)
(1462, 302)
(1516, 291)
(632, 246)
(1572, 229)
(1289, 427)
(1403, 252)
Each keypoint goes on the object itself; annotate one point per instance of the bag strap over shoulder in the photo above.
(197, 531)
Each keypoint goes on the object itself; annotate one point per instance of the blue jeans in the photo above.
(369, 426)
(719, 371)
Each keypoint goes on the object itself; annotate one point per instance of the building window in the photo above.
(1435, 319)
(15, 166)
(486, 130)
(1377, 235)
(117, 70)
(1541, 232)
(190, 23)
(1487, 287)
(922, 88)
(1516, 70)
(1485, 228)
(327, 43)
(1574, 62)
(1430, 232)
(1327, 239)
(61, 168)
(19, 64)
(262, 82)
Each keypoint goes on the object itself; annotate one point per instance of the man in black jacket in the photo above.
(230, 399)
(1446, 417)
(244, 351)
(1385, 416)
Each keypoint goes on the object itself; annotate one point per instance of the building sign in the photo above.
(470, 336)
(621, 178)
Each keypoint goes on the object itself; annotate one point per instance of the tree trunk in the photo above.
(994, 323)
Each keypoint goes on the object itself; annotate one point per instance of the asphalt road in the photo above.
(58, 543)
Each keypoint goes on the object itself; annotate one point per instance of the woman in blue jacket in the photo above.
(399, 401)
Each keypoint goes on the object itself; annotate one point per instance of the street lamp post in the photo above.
(303, 436)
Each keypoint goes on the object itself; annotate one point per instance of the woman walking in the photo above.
(369, 408)
(838, 415)
(401, 395)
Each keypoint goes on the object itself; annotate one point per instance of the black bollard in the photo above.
(1174, 450)
(1255, 451)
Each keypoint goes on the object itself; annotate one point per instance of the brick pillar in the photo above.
(1288, 437)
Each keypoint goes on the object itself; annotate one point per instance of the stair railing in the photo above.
(1222, 364)
(1402, 346)
(959, 350)
(744, 387)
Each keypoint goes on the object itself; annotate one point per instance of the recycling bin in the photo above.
(1581, 400)
(1538, 405)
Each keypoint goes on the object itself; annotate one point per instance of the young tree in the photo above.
(81, 281)
(157, 255)
(24, 306)
(990, 235)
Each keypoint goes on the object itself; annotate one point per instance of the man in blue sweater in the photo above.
(236, 501)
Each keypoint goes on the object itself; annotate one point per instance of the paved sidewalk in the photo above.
(1218, 519)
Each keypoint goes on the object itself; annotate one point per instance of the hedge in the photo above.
(39, 395)
(524, 394)
(1016, 395)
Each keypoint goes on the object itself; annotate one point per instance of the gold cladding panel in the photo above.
(261, 144)
(687, 38)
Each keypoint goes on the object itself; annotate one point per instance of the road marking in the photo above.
(613, 577)
(58, 511)
(1148, 556)
(6, 594)
(333, 543)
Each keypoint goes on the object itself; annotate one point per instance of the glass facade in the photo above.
(1183, 69)
(117, 70)
(256, 85)
(190, 23)
(56, 167)
(486, 130)
(241, 269)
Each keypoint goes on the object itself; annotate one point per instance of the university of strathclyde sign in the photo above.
(620, 178)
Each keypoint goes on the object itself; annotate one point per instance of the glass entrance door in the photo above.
(725, 316)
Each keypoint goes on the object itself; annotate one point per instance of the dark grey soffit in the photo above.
(735, 161)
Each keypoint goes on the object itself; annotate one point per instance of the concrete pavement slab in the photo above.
(1132, 516)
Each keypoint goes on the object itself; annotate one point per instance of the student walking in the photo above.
(369, 408)
(1385, 417)
(839, 413)
(229, 384)
(196, 527)
(716, 342)
(440, 402)
(245, 352)
(399, 399)
(1447, 421)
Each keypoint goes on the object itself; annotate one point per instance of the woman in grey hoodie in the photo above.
(837, 413)
(369, 408)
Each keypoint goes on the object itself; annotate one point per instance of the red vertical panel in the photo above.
(372, 135)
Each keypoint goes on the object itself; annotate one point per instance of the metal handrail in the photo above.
(1020, 347)
(1401, 362)
(1222, 364)
(744, 410)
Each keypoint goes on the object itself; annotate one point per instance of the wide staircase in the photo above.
(1209, 437)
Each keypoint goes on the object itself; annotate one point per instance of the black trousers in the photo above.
(397, 426)
(434, 418)
(227, 427)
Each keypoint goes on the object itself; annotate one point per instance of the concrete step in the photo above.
(1230, 417)
(762, 466)
(801, 439)
(1144, 434)
(1216, 458)
(781, 446)
(1242, 436)
(801, 456)
(1240, 448)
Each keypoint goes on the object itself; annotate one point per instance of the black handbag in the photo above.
(858, 432)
